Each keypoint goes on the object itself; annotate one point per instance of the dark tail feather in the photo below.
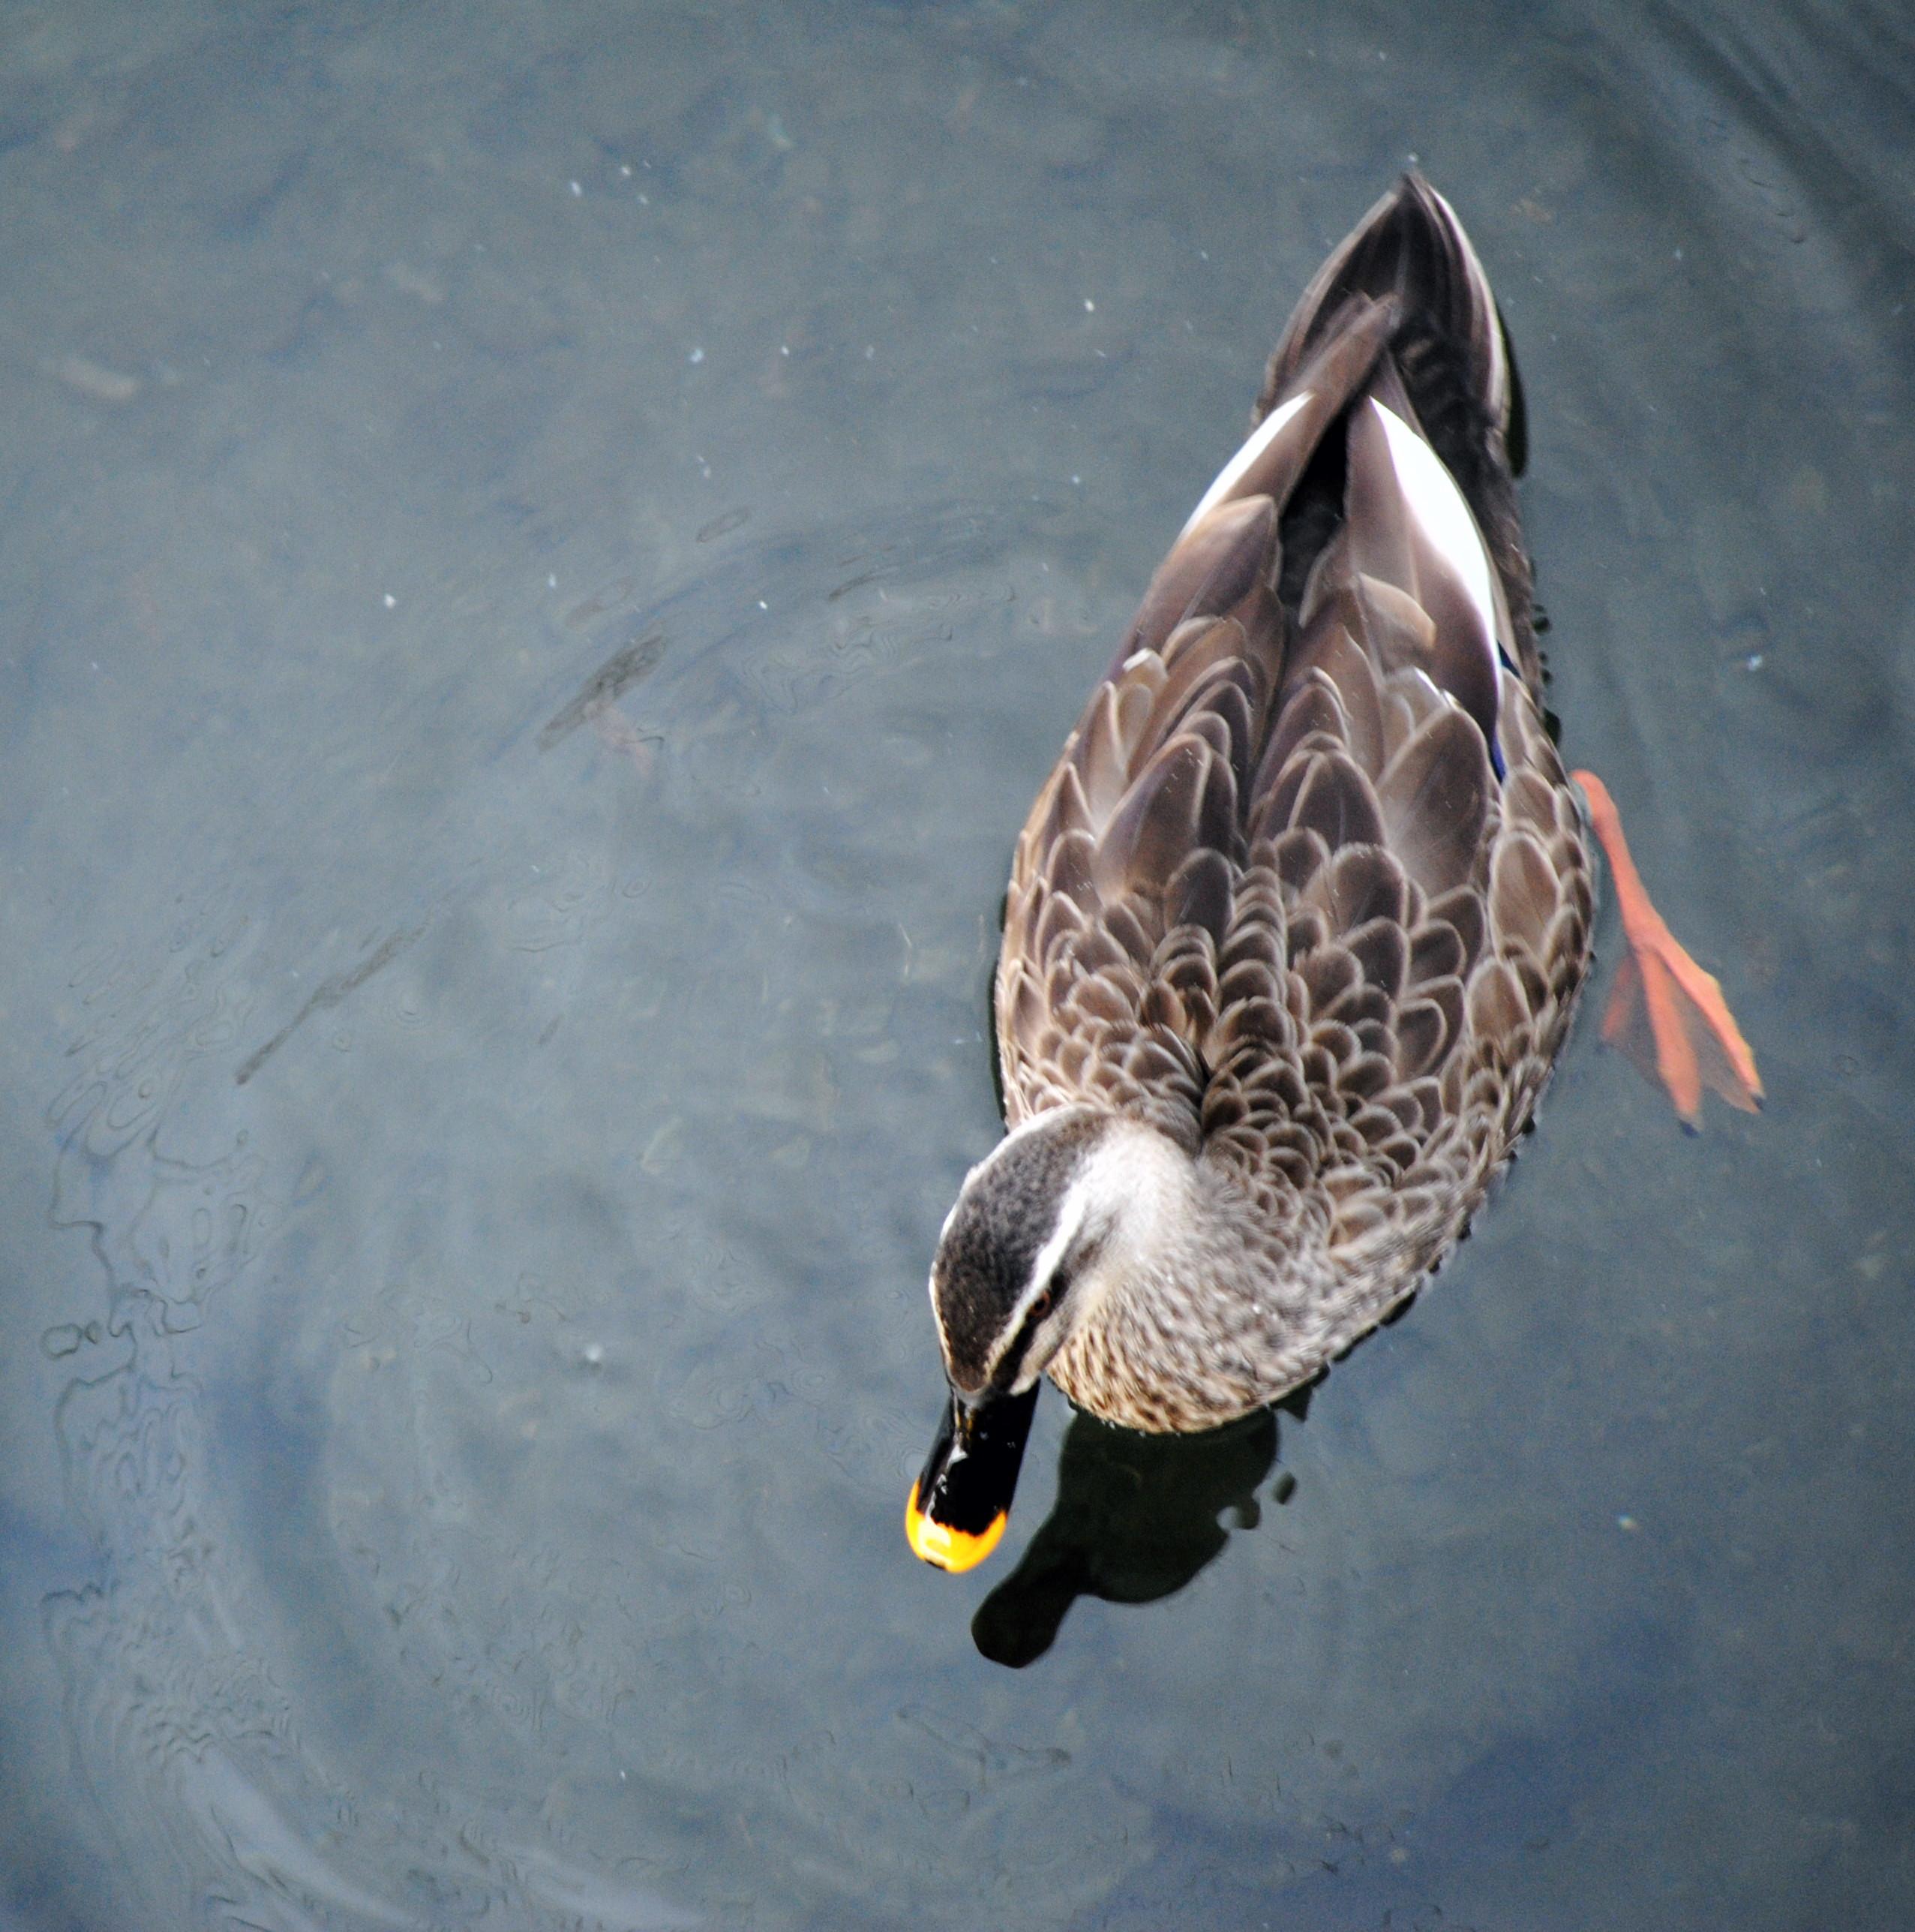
(1450, 349)
(1411, 247)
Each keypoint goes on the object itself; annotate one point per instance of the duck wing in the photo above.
(1279, 895)
(1122, 887)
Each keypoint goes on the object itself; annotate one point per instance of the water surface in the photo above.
(545, 552)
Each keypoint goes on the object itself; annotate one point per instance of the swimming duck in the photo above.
(1296, 926)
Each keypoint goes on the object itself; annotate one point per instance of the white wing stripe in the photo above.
(1261, 438)
(1440, 511)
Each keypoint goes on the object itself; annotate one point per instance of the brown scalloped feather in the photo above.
(1309, 890)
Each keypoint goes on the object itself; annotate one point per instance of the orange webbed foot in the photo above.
(1664, 1012)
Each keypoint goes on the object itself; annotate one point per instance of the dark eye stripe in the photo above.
(1008, 1370)
(1033, 1319)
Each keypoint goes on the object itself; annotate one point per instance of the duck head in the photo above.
(1043, 1232)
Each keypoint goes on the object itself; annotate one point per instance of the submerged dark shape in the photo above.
(1137, 1518)
(1296, 927)
(631, 664)
(329, 993)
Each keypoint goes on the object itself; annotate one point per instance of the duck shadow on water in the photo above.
(1136, 1518)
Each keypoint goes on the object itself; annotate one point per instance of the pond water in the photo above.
(546, 551)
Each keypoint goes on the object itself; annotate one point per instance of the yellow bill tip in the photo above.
(947, 1549)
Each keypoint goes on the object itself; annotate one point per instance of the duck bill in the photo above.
(959, 1505)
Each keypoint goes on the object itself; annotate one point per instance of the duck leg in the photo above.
(1664, 1012)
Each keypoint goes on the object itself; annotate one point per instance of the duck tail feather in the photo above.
(1448, 355)
(1411, 249)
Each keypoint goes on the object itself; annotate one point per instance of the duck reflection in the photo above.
(1136, 1517)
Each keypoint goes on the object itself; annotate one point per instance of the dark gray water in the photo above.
(546, 550)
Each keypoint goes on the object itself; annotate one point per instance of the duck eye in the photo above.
(1036, 1310)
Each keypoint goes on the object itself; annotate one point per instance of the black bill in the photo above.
(959, 1505)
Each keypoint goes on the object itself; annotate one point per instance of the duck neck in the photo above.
(1188, 1293)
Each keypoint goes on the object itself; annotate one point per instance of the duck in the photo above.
(1297, 925)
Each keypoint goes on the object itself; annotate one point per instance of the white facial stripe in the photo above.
(1261, 438)
(1439, 509)
(1070, 1213)
(1069, 1218)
